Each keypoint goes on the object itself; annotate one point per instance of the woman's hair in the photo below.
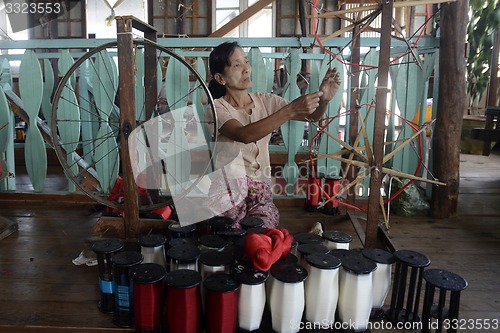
(217, 62)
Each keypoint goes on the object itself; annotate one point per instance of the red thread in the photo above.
(266, 248)
(148, 304)
(221, 311)
(183, 310)
(313, 191)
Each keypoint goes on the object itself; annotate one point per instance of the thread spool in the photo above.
(178, 231)
(308, 238)
(183, 257)
(252, 298)
(313, 193)
(220, 223)
(249, 222)
(181, 241)
(214, 261)
(122, 263)
(104, 250)
(288, 259)
(287, 299)
(153, 249)
(183, 301)
(257, 230)
(148, 293)
(337, 239)
(322, 288)
(355, 291)
(381, 279)
(307, 249)
(221, 303)
(332, 188)
(212, 242)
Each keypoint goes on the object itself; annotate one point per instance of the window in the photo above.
(259, 25)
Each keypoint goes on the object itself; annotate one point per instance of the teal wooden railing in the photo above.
(30, 88)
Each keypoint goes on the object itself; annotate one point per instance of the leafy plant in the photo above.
(484, 20)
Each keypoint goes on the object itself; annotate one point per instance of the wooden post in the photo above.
(127, 121)
(379, 126)
(451, 106)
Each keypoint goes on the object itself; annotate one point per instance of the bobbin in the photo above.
(212, 242)
(252, 298)
(183, 301)
(313, 193)
(104, 250)
(153, 249)
(308, 238)
(322, 288)
(122, 263)
(355, 291)
(183, 257)
(287, 300)
(332, 187)
(221, 303)
(148, 295)
(336, 239)
(307, 249)
(381, 279)
(220, 223)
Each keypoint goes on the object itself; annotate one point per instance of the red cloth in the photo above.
(266, 248)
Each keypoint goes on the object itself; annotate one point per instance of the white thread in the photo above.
(251, 306)
(287, 305)
(154, 255)
(322, 293)
(355, 298)
(381, 284)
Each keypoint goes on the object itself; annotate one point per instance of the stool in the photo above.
(355, 291)
(444, 281)
(415, 262)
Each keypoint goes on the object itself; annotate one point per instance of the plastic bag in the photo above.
(411, 201)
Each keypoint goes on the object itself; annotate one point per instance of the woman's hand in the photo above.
(330, 84)
(302, 107)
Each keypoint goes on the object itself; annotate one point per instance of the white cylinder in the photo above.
(334, 245)
(322, 293)
(355, 299)
(251, 303)
(287, 305)
(381, 284)
(176, 265)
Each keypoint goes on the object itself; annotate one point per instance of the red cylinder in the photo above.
(313, 194)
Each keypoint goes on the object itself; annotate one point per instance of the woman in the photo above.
(245, 124)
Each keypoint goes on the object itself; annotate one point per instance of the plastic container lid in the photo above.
(213, 241)
(251, 222)
(183, 279)
(358, 264)
(379, 256)
(152, 240)
(323, 261)
(107, 246)
(221, 283)
(288, 272)
(445, 279)
(308, 238)
(181, 241)
(245, 274)
(148, 273)
(216, 258)
(184, 253)
(340, 253)
(305, 249)
(127, 258)
(336, 236)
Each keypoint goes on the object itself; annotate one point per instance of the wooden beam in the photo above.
(245, 15)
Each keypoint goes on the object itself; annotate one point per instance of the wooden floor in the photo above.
(41, 290)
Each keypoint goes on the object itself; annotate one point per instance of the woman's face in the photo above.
(237, 74)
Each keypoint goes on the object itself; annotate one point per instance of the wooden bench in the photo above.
(491, 131)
